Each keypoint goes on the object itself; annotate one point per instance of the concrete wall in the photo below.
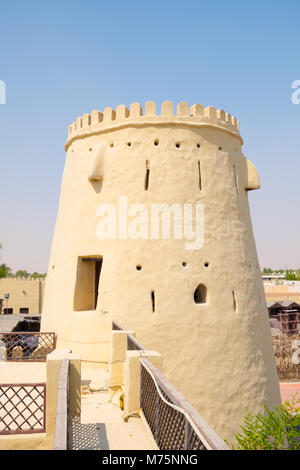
(23, 293)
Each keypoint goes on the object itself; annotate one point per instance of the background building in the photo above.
(276, 291)
(21, 295)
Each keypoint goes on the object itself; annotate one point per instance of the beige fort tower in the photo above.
(203, 308)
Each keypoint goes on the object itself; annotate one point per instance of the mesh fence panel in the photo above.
(24, 346)
(169, 427)
(22, 408)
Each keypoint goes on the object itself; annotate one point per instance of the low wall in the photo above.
(280, 296)
(45, 441)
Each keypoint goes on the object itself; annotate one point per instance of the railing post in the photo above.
(61, 422)
(117, 357)
(132, 380)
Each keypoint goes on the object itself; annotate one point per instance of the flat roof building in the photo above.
(21, 295)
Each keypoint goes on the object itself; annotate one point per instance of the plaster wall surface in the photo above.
(218, 353)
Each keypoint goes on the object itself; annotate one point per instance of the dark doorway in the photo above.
(87, 282)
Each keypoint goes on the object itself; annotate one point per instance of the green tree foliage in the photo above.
(291, 276)
(36, 275)
(22, 273)
(267, 271)
(275, 430)
(5, 271)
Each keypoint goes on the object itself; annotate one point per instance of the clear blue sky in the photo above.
(63, 58)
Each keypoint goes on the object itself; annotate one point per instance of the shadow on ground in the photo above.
(91, 436)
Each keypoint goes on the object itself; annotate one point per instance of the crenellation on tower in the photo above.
(98, 122)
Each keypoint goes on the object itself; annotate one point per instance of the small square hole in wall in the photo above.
(87, 282)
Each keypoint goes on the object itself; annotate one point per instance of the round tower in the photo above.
(154, 232)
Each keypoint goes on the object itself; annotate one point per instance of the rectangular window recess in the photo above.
(87, 282)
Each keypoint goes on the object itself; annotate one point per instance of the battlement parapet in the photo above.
(195, 116)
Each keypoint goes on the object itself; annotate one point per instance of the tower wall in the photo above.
(217, 353)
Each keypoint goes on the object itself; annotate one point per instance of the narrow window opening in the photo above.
(24, 310)
(200, 294)
(199, 175)
(8, 311)
(235, 180)
(234, 300)
(153, 301)
(147, 176)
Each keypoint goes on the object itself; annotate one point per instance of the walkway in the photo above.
(101, 426)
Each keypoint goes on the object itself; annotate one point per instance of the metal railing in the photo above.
(22, 408)
(116, 326)
(28, 346)
(62, 408)
(174, 422)
(133, 344)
